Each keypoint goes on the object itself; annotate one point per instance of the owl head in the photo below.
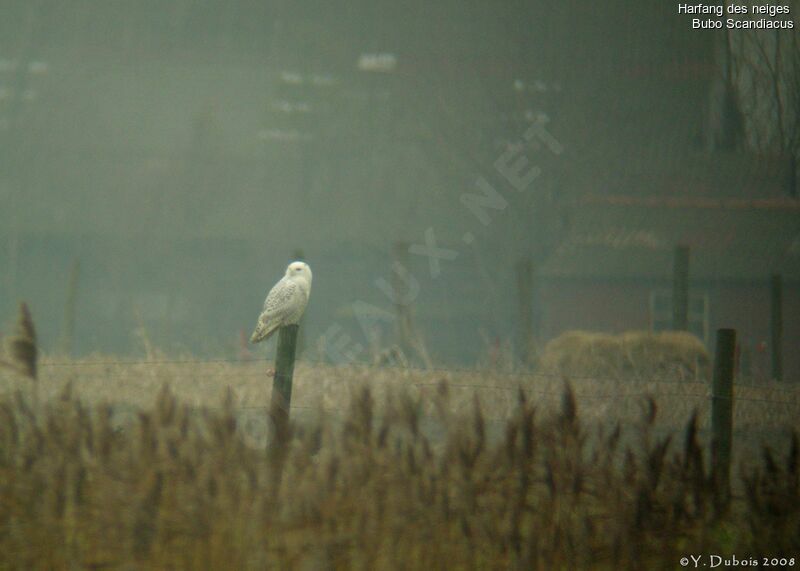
(299, 270)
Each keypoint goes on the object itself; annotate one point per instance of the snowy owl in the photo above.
(285, 302)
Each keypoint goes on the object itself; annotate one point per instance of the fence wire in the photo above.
(519, 376)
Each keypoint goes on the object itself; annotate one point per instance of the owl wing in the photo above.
(281, 302)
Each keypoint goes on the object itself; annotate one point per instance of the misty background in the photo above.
(170, 158)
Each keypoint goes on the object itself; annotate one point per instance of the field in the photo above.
(165, 464)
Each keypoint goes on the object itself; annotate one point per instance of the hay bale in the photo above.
(630, 354)
(582, 354)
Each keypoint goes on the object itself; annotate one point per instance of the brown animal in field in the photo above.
(637, 354)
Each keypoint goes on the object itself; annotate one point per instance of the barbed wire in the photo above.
(384, 367)
(245, 365)
(81, 362)
(560, 394)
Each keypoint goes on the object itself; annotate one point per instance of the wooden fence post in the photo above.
(680, 289)
(722, 414)
(405, 322)
(282, 398)
(525, 293)
(776, 326)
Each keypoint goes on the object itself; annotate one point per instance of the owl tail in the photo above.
(263, 331)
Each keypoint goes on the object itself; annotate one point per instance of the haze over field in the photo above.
(182, 153)
(554, 320)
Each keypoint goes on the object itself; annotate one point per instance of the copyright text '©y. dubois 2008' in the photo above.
(733, 561)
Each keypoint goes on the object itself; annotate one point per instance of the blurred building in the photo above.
(183, 150)
(613, 271)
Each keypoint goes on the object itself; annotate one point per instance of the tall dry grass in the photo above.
(764, 409)
(386, 469)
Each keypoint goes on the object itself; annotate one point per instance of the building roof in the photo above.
(631, 237)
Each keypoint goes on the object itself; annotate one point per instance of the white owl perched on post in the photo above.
(285, 302)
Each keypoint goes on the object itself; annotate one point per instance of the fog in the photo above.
(459, 166)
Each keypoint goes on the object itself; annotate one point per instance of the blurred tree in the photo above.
(764, 70)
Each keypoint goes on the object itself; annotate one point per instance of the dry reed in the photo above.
(394, 470)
